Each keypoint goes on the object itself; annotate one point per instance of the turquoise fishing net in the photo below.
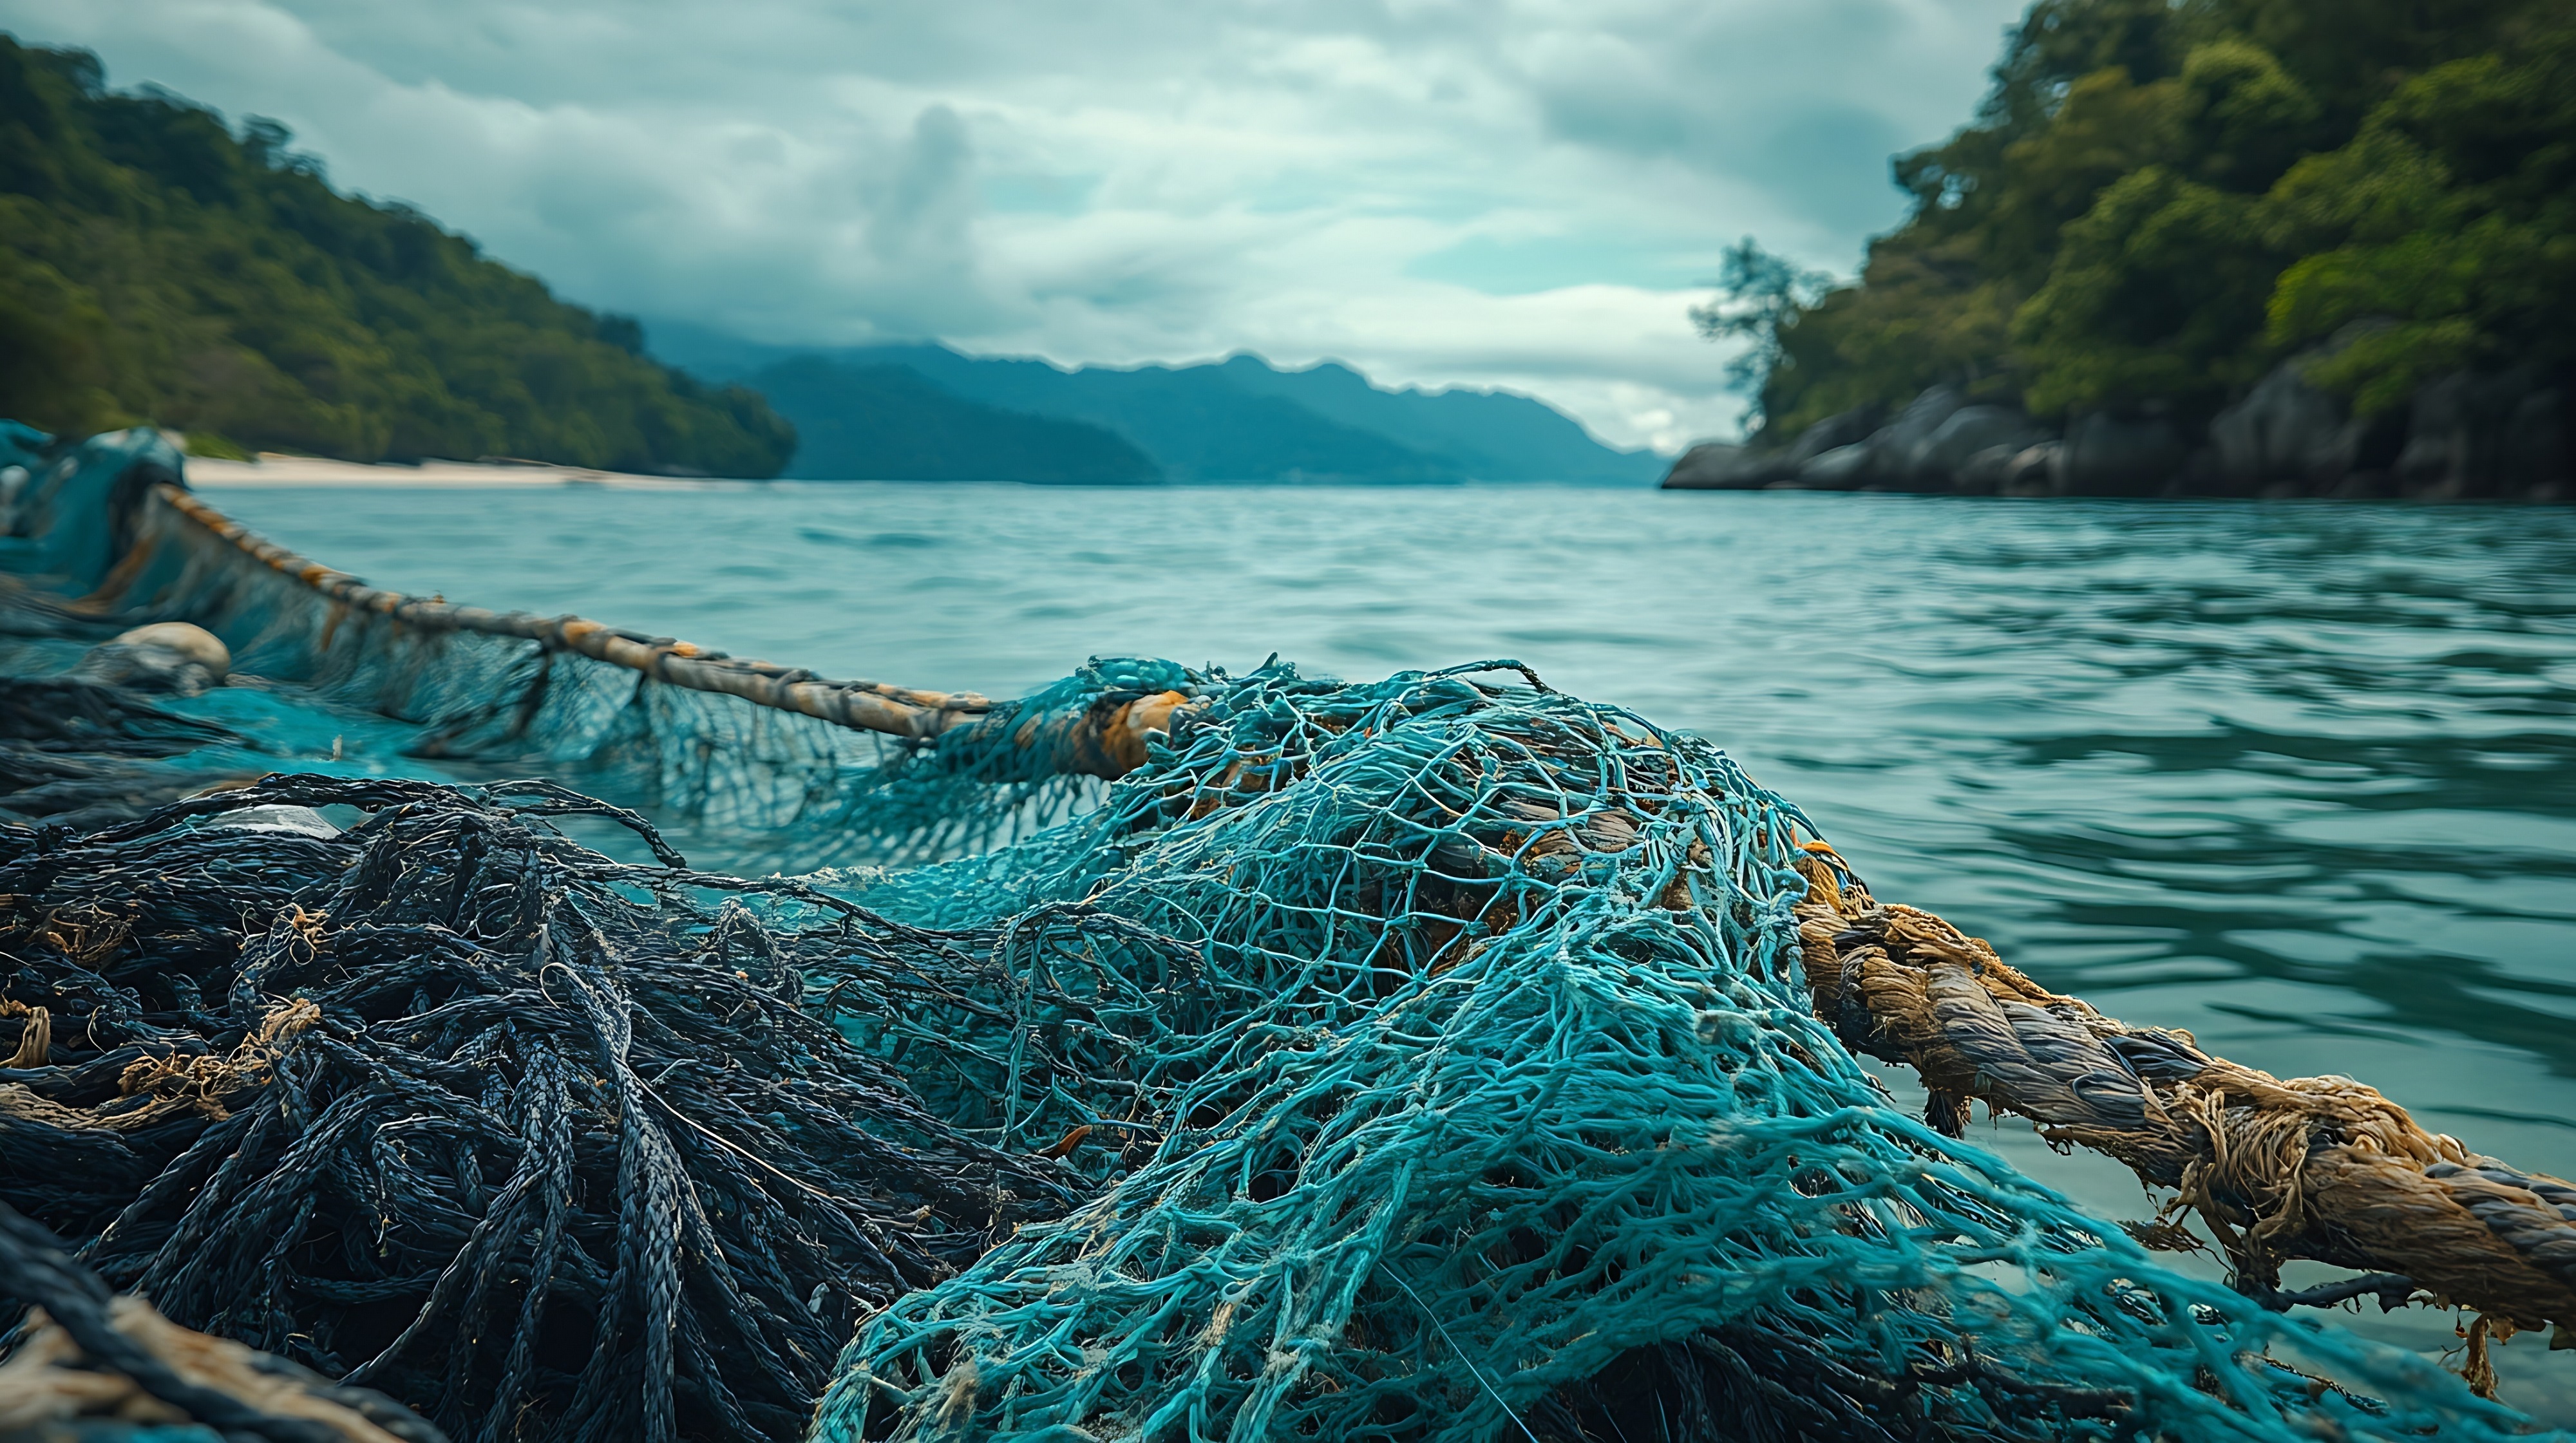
(765, 787)
(1458, 1083)
(67, 510)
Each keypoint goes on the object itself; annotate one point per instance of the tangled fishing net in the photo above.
(719, 747)
(1514, 1114)
(98, 1368)
(539, 1142)
(1171, 1055)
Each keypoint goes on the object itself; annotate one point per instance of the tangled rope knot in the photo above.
(2321, 1168)
(89, 1365)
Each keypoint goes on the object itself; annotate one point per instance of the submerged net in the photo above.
(75, 753)
(1221, 1057)
(784, 767)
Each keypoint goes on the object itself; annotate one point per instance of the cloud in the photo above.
(1472, 192)
(926, 209)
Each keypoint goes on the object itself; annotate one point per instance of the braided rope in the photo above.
(2321, 1168)
(93, 1354)
(861, 705)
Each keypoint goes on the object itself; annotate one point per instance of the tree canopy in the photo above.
(156, 267)
(2161, 199)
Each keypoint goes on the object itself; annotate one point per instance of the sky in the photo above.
(1520, 193)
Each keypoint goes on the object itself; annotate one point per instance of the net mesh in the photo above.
(1498, 1080)
(764, 786)
(544, 1144)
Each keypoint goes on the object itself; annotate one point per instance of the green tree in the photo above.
(1760, 298)
(2452, 216)
(2160, 199)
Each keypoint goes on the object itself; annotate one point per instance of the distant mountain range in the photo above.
(926, 412)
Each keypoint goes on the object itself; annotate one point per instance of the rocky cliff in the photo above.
(2466, 436)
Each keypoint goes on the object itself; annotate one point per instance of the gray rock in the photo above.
(1883, 457)
(2032, 471)
(1758, 469)
(1753, 467)
(1983, 472)
(1708, 466)
(2535, 457)
(1844, 468)
(2286, 429)
(2436, 457)
(2475, 437)
(2107, 455)
(1939, 461)
(1845, 428)
(1897, 443)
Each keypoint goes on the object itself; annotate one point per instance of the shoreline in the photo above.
(272, 470)
(276, 472)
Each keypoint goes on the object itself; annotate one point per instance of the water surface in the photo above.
(2299, 778)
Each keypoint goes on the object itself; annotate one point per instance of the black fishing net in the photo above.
(448, 1105)
(73, 752)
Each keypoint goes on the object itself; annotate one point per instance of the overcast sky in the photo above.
(1509, 192)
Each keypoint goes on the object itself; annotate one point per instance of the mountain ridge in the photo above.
(891, 423)
(1238, 419)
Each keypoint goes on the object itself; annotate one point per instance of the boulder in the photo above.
(1939, 461)
(2286, 429)
(1898, 441)
(1755, 470)
(2032, 470)
(2436, 460)
(1859, 457)
(2484, 437)
(1983, 473)
(1842, 429)
(1844, 468)
(1708, 466)
(1752, 467)
(2535, 460)
(2108, 455)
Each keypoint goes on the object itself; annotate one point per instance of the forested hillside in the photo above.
(2163, 199)
(156, 267)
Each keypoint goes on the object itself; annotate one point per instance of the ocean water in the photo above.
(2299, 778)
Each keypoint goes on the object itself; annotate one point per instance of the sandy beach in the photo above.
(275, 470)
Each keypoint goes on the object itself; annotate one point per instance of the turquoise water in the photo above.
(2298, 778)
